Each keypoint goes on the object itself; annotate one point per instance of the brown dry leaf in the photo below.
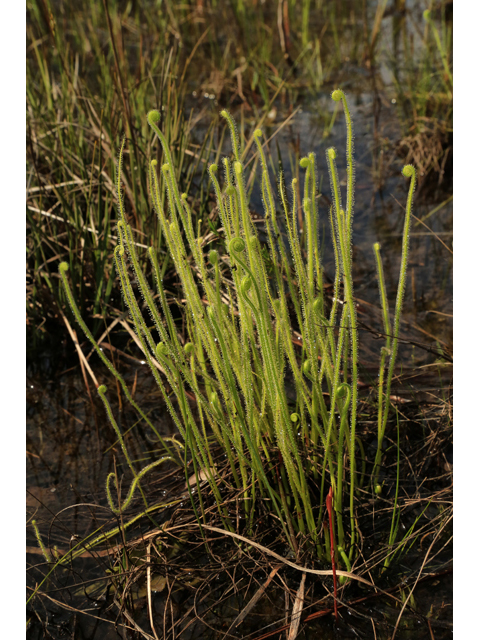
(256, 597)
(297, 609)
(202, 476)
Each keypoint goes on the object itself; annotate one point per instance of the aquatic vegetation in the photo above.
(90, 78)
(284, 417)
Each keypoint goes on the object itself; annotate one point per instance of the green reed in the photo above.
(238, 353)
(82, 90)
(391, 348)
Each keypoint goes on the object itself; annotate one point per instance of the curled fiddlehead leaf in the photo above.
(111, 477)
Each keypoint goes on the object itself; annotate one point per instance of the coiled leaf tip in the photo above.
(246, 284)
(237, 245)
(153, 116)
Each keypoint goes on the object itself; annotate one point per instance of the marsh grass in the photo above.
(92, 72)
(70, 193)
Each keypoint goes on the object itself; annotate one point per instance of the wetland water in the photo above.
(71, 446)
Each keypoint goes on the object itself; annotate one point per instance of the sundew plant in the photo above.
(285, 418)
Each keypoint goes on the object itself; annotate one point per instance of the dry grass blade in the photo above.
(112, 237)
(258, 594)
(83, 361)
(105, 333)
(143, 633)
(381, 6)
(101, 553)
(47, 187)
(297, 610)
(132, 333)
(68, 607)
(149, 591)
(433, 234)
(316, 572)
